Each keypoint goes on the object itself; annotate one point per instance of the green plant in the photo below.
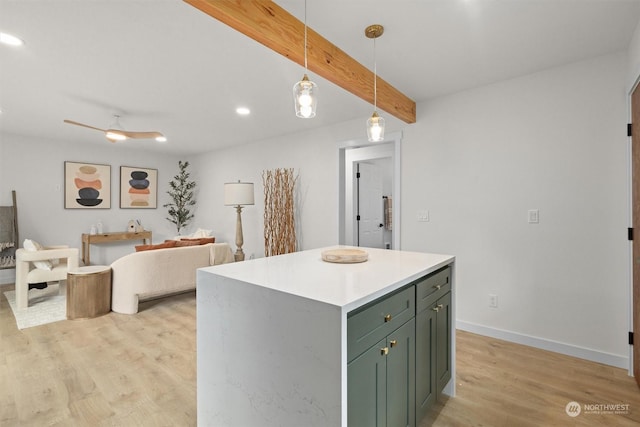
(181, 191)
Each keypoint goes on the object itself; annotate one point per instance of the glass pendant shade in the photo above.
(375, 128)
(305, 98)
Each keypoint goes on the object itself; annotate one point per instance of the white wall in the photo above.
(553, 141)
(633, 54)
(35, 169)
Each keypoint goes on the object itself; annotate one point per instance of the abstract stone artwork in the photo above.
(87, 186)
(138, 187)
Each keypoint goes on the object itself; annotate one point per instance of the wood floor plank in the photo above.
(121, 370)
(505, 384)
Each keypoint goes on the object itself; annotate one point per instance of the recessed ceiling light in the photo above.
(243, 111)
(161, 138)
(10, 40)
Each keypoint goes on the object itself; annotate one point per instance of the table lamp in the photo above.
(238, 194)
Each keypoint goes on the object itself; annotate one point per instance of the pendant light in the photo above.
(305, 91)
(375, 123)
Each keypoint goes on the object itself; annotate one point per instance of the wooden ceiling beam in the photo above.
(269, 24)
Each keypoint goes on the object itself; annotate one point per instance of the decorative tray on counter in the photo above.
(345, 256)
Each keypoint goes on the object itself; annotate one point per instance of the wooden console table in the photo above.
(92, 239)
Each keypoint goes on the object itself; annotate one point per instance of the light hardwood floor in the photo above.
(128, 370)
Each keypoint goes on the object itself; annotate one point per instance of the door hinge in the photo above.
(630, 338)
(629, 129)
(358, 218)
(629, 233)
(357, 174)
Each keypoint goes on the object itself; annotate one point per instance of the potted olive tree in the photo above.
(181, 192)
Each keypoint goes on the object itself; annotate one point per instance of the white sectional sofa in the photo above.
(152, 273)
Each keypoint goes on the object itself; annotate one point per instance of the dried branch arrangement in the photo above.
(279, 220)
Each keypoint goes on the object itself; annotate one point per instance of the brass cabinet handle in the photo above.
(384, 351)
(393, 343)
(437, 308)
(387, 318)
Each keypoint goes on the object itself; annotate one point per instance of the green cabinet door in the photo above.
(367, 388)
(401, 380)
(443, 341)
(425, 361)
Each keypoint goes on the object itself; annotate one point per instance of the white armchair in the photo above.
(27, 273)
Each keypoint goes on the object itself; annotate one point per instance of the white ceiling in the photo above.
(164, 65)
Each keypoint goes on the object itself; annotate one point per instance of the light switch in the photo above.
(534, 216)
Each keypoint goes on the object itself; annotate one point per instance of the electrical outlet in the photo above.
(423, 216)
(493, 300)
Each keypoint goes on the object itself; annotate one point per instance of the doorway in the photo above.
(384, 156)
(373, 193)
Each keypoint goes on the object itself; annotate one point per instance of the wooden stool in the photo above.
(88, 291)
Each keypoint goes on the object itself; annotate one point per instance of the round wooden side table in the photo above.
(88, 291)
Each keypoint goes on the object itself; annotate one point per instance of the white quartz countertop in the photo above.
(348, 286)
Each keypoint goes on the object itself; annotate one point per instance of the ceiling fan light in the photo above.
(305, 98)
(114, 136)
(10, 39)
(375, 128)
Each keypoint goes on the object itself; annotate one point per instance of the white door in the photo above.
(369, 206)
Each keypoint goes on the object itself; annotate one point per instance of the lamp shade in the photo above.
(238, 193)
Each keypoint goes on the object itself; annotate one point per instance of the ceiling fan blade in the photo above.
(140, 135)
(114, 135)
(71, 122)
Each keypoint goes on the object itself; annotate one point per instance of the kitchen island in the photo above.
(277, 337)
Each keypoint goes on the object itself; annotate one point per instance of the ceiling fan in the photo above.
(115, 133)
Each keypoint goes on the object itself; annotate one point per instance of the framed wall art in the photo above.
(87, 186)
(138, 188)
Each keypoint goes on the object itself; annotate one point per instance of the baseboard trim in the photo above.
(545, 344)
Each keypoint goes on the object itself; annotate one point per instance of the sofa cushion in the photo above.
(180, 243)
(164, 245)
(200, 240)
(33, 246)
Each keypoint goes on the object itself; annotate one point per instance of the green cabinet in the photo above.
(367, 388)
(381, 362)
(381, 382)
(399, 361)
(425, 361)
(443, 341)
(433, 339)
(401, 378)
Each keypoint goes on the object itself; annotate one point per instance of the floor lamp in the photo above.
(238, 194)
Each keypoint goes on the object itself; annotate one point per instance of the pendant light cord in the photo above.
(375, 77)
(305, 35)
